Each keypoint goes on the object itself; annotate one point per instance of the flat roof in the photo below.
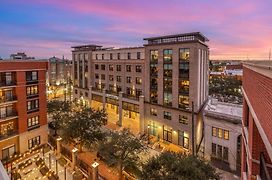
(225, 111)
(266, 64)
(86, 46)
(179, 35)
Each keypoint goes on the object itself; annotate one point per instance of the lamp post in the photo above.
(148, 127)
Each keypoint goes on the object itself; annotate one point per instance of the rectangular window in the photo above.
(118, 67)
(214, 131)
(96, 66)
(129, 56)
(32, 76)
(167, 55)
(184, 54)
(167, 99)
(118, 78)
(34, 142)
(167, 115)
(220, 133)
(128, 68)
(103, 77)
(33, 121)
(110, 56)
(8, 152)
(183, 139)
(154, 55)
(213, 149)
(226, 135)
(31, 90)
(102, 56)
(138, 68)
(111, 78)
(129, 79)
(183, 102)
(138, 80)
(118, 55)
(103, 67)
(219, 151)
(96, 56)
(138, 55)
(153, 111)
(110, 67)
(226, 153)
(96, 76)
(33, 105)
(183, 119)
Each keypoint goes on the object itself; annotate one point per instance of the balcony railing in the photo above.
(8, 134)
(7, 83)
(264, 173)
(12, 113)
(4, 99)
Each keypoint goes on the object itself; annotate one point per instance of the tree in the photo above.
(84, 127)
(174, 166)
(122, 150)
(58, 110)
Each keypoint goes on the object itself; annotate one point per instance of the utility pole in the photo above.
(270, 54)
(193, 130)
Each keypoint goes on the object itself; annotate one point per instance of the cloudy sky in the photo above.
(44, 28)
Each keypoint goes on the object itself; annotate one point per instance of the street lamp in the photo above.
(148, 134)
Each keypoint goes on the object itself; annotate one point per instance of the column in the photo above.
(141, 112)
(104, 98)
(74, 153)
(120, 109)
(90, 95)
(58, 146)
(95, 171)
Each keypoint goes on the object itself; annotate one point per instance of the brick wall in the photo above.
(259, 91)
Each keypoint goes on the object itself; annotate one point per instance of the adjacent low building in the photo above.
(257, 121)
(23, 119)
(223, 129)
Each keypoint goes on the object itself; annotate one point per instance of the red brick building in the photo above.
(23, 119)
(257, 121)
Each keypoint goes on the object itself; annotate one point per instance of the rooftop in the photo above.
(224, 111)
(261, 64)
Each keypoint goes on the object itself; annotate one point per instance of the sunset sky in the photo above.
(44, 28)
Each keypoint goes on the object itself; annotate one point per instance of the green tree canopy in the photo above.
(84, 127)
(58, 113)
(122, 149)
(174, 166)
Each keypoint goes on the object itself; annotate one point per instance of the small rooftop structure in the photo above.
(86, 47)
(185, 37)
(225, 111)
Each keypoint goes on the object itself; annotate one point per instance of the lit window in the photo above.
(184, 54)
(183, 119)
(153, 111)
(220, 133)
(226, 134)
(214, 130)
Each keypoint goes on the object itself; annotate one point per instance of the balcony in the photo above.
(7, 83)
(8, 134)
(9, 115)
(5, 99)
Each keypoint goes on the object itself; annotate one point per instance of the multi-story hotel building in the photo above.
(149, 89)
(23, 121)
(257, 121)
